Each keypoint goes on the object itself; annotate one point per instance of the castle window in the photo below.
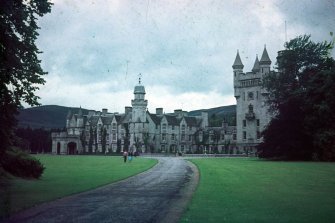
(163, 137)
(172, 127)
(114, 126)
(244, 123)
(190, 138)
(234, 136)
(114, 137)
(182, 137)
(251, 108)
(172, 137)
(244, 135)
(234, 73)
(163, 148)
(183, 128)
(258, 134)
(164, 127)
(243, 96)
(257, 122)
(250, 96)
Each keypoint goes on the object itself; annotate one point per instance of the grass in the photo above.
(65, 175)
(250, 190)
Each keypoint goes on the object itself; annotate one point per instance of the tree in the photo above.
(95, 139)
(291, 134)
(103, 139)
(20, 70)
(126, 139)
(90, 141)
(83, 139)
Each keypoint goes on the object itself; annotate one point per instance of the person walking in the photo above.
(125, 156)
(130, 156)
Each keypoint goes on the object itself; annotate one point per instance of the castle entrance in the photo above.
(72, 148)
(58, 148)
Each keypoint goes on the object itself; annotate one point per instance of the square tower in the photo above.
(251, 110)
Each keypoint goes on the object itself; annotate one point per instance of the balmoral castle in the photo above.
(139, 130)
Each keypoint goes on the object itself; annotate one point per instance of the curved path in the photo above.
(157, 195)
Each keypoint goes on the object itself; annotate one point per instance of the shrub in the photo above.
(21, 164)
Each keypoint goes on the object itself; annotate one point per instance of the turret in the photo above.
(265, 62)
(256, 67)
(139, 103)
(238, 65)
(238, 69)
(80, 118)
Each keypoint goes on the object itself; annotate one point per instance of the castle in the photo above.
(139, 130)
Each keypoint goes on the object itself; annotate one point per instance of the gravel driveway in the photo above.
(157, 195)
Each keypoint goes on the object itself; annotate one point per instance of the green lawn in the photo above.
(65, 175)
(250, 190)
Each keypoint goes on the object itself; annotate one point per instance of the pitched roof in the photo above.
(265, 59)
(172, 120)
(156, 119)
(256, 65)
(238, 63)
(107, 120)
(94, 120)
(191, 121)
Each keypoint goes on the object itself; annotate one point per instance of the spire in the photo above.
(139, 89)
(265, 59)
(139, 78)
(256, 65)
(238, 63)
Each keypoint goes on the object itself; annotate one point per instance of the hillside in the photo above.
(47, 116)
(54, 116)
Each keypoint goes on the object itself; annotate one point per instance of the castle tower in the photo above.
(139, 104)
(251, 111)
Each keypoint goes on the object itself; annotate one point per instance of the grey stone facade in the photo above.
(139, 130)
(251, 111)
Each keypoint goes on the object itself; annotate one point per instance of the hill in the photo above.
(54, 116)
(46, 116)
(218, 114)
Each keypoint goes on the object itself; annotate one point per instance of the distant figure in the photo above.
(125, 156)
(130, 156)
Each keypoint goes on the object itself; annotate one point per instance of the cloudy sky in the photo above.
(93, 50)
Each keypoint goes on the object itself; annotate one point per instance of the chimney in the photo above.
(128, 109)
(204, 117)
(159, 111)
(104, 111)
